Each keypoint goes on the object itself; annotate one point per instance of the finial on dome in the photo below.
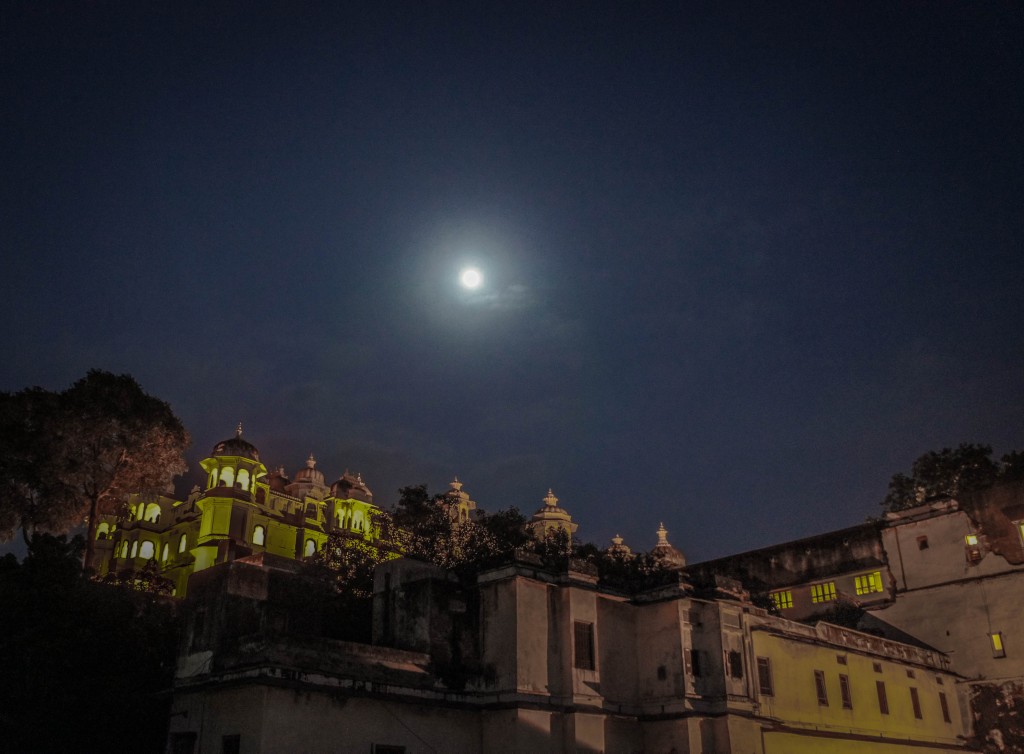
(238, 430)
(310, 462)
(550, 499)
(455, 484)
(616, 540)
(662, 534)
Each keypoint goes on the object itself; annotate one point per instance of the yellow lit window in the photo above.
(823, 592)
(998, 650)
(972, 540)
(782, 600)
(869, 582)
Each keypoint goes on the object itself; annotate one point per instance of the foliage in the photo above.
(347, 560)
(69, 456)
(76, 652)
(949, 473)
(147, 579)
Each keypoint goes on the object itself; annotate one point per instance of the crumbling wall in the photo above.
(998, 714)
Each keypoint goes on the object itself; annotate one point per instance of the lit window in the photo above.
(998, 650)
(310, 548)
(844, 691)
(135, 548)
(153, 513)
(764, 676)
(147, 550)
(819, 686)
(971, 540)
(243, 479)
(915, 700)
(259, 535)
(868, 583)
(782, 600)
(102, 530)
(883, 700)
(165, 553)
(124, 549)
(823, 592)
(182, 543)
(227, 477)
(583, 655)
(944, 704)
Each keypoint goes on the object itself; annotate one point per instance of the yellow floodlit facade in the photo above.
(242, 510)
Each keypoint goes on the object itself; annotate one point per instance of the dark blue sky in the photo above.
(743, 262)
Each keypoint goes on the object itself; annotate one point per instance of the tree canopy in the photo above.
(67, 457)
(951, 472)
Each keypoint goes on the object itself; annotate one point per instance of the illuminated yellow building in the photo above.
(243, 510)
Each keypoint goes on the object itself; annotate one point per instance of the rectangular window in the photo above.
(841, 659)
(868, 583)
(971, 540)
(782, 600)
(695, 665)
(385, 749)
(877, 667)
(823, 592)
(844, 691)
(915, 700)
(945, 707)
(735, 664)
(764, 676)
(910, 674)
(883, 700)
(819, 686)
(998, 650)
(583, 633)
(922, 543)
(231, 744)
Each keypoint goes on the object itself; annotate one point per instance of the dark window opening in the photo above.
(922, 543)
(844, 691)
(231, 744)
(583, 633)
(735, 664)
(764, 676)
(695, 666)
(945, 707)
(385, 749)
(819, 686)
(916, 701)
(883, 700)
(877, 667)
(662, 673)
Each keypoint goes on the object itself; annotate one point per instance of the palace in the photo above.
(243, 510)
(528, 656)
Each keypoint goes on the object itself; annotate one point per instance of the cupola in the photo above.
(551, 518)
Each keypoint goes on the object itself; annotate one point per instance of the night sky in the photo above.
(742, 262)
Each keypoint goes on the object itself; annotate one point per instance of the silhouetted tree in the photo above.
(951, 472)
(67, 457)
(85, 665)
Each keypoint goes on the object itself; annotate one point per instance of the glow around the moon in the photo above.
(471, 278)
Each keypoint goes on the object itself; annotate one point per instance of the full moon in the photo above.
(471, 278)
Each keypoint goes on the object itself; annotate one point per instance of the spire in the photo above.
(310, 462)
(550, 500)
(662, 534)
(455, 484)
(238, 430)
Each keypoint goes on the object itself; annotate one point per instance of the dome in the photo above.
(351, 487)
(311, 474)
(236, 446)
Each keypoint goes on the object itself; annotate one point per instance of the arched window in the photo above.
(153, 513)
(182, 543)
(102, 530)
(259, 535)
(140, 511)
(310, 548)
(166, 552)
(124, 549)
(135, 548)
(227, 477)
(147, 550)
(243, 479)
